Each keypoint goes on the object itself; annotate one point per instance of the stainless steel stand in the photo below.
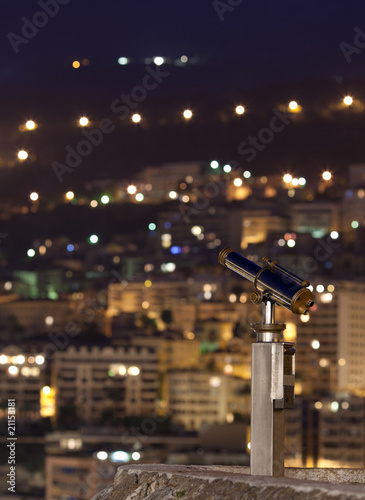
(272, 390)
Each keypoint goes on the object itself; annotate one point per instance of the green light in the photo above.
(31, 252)
(354, 224)
(93, 239)
(105, 199)
(227, 168)
(111, 373)
(152, 226)
(214, 164)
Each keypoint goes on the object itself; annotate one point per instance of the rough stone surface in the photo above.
(168, 482)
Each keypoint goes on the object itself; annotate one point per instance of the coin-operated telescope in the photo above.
(272, 360)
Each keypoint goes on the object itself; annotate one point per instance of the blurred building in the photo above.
(102, 383)
(197, 398)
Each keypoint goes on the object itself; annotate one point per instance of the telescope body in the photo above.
(283, 288)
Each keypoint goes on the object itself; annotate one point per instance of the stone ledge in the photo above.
(191, 482)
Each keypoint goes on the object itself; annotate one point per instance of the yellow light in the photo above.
(293, 105)
(240, 110)
(187, 114)
(148, 283)
(326, 175)
(318, 405)
(348, 100)
(47, 402)
(304, 318)
(34, 196)
(22, 155)
(30, 125)
(136, 118)
(83, 121)
(342, 362)
(287, 178)
(70, 195)
(131, 189)
(237, 182)
(76, 64)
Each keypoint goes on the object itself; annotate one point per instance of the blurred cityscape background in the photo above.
(124, 169)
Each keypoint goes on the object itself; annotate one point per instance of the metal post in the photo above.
(272, 390)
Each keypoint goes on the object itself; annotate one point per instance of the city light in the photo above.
(46, 389)
(348, 100)
(93, 239)
(291, 243)
(22, 155)
(70, 195)
(354, 224)
(101, 455)
(30, 125)
(39, 359)
(326, 175)
(105, 199)
(187, 114)
(227, 168)
(315, 344)
(13, 370)
(293, 105)
(152, 226)
(173, 195)
(139, 197)
(287, 178)
(76, 64)
(320, 288)
(34, 196)
(119, 456)
(123, 61)
(240, 110)
(214, 164)
(83, 121)
(31, 252)
(246, 174)
(158, 60)
(133, 370)
(238, 182)
(334, 235)
(131, 189)
(136, 118)
(136, 455)
(184, 59)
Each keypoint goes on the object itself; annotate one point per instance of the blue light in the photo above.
(167, 225)
(70, 248)
(175, 250)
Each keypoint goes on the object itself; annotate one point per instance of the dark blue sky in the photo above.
(257, 42)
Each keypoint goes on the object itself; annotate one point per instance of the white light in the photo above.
(184, 59)
(31, 252)
(119, 456)
(20, 359)
(139, 197)
(133, 370)
(34, 196)
(215, 382)
(246, 174)
(302, 181)
(345, 405)
(123, 61)
(304, 318)
(316, 344)
(238, 182)
(122, 370)
(293, 105)
(49, 320)
(326, 298)
(318, 405)
(348, 100)
(8, 285)
(326, 175)
(187, 114)
(30, 125)
(94, 238)
(281, 242)
(22, 155)
(334, 406)
(105, 199)
(173, 195)
(102, 455)
(39, 359)
(227, 168)
(295, 181)
(287, 178)
(240, 110)
(214, 164)
(3, 359)
(334, 235)
(291, 243)
(136, 455)
(13, 370)
(46, 389)
(320, 288)
(83, 121)
(131, 189)
(196, 230)
(136, 118)
(158, 60)
(70, 195)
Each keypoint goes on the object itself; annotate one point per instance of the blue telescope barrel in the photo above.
(283, 288)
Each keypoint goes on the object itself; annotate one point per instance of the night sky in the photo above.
(247, 45)
(255, 53)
